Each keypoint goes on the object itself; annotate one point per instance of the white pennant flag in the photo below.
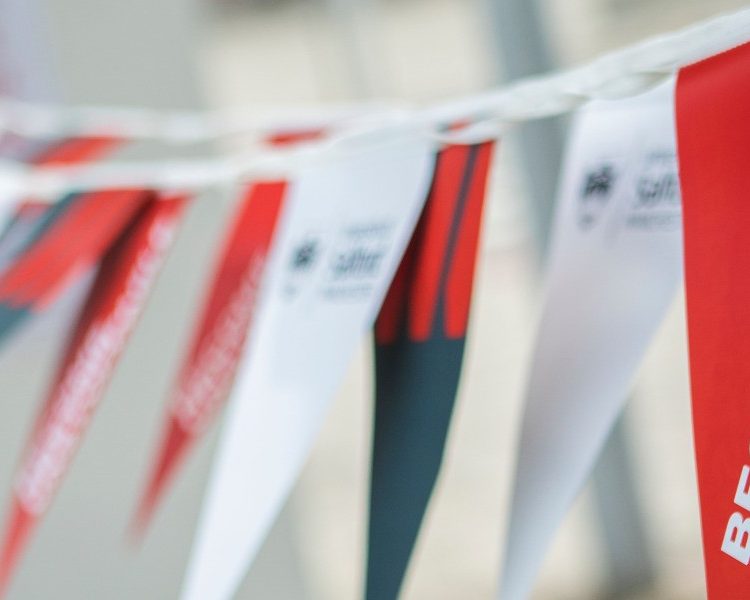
(346, 222)
(615, 265)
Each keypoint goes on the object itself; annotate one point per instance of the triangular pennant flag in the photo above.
(614, 269)
(347, 220)
(219, 336)
(118, 295)
(420, 336)
(713, 132)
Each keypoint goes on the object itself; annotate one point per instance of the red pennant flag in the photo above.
(713, 132)
(420, 336)
(220, 334)
(117, 298)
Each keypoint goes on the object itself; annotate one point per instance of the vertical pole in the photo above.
(630, 563)
(353, 21)
(522, 49)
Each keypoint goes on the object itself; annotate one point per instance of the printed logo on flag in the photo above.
(357, 257)
(304, 254)
(657, 199)
(596, 192)
(302, 264)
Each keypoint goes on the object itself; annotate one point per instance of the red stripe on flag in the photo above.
(438, 221)
(393, 311)
(459, 286)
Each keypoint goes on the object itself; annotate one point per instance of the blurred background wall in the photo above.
(186, 53)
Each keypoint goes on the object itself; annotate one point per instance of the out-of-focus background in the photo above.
(201, 54)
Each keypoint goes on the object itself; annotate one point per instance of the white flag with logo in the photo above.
(615, 264)
(347, 220)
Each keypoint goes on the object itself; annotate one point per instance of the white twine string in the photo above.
(620, 74)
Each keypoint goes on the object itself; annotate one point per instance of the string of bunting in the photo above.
(368, 218)
(619, 74)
